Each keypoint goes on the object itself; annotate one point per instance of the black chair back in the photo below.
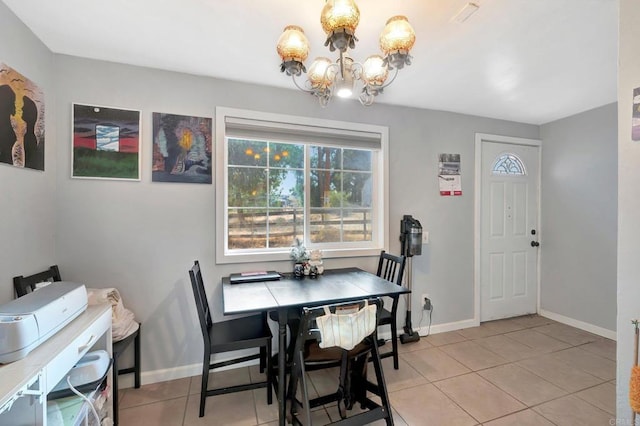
(249, 332)
(202, 304)
(391, 267)
(24, 285)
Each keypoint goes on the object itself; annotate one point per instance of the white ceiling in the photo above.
(530, 61)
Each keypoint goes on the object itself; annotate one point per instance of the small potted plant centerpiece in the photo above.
(300, 256)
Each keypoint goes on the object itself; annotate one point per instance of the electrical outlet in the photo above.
(425, 238)
(426, 302)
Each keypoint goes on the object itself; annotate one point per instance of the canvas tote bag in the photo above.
(346, 327)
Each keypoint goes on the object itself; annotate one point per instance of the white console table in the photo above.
(36, 374)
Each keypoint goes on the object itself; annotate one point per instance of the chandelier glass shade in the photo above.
(339, 20)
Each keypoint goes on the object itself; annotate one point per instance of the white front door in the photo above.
(508, 229)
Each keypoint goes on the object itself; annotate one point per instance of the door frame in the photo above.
(485, 137)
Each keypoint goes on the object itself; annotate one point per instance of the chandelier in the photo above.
(339, 19)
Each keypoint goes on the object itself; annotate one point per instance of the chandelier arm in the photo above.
(293, 77)
(388, 82)
(356, 70)
(327, 71)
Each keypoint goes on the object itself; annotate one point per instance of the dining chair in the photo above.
(24, 285)
(391, 268)
(227, 336)
(27, 284)
(320, 344)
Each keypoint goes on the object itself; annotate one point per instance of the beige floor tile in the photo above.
(434, 364)
(155, 392)
(521, 418)
(561, 374)
(232, 409)
(318, 417)
(520, 383)
(265, 412)
(473, 356)
(477, 332)
(478, 397)
(567, 334)
(503, 325)
(602, 347)
(220, 379)
(323, 382)
(255, 374)
(163, 413)
(602, 396)
(405, 377)
(572, 411)
(529, 321)
(397, 420)
(509, 349)
(536, 340)
(444, 338)
(423, 343)
(593, 364)
(426, 404)
(334, 415)
(523, 361)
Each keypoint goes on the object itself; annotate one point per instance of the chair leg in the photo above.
(136, 347)
(205, 382)
(305, 390)
(263, 356)
(382, 387)
(114, 384)
(269, 374)
(292, 387)
(394, 344)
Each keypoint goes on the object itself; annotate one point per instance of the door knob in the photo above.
(535, 244)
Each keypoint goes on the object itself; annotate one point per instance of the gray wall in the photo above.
(27, 197)
(579, 217)
(628, 202)
(142, 237)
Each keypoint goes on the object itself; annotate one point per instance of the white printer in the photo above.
(28, 321)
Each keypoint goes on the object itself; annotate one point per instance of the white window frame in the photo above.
(380, 198)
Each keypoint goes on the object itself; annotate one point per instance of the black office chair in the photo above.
(391, 268)
(353, 384)
(226, 336)
(24, 285)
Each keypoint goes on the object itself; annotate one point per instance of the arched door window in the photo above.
(508, 164)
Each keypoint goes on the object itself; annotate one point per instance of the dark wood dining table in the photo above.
(334, 286)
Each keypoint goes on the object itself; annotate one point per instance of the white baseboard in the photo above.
(609, 334)
(450, 326)
(165, 374)
(435, 329)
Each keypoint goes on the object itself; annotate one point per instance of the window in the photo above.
(282, 177)
(508, 164)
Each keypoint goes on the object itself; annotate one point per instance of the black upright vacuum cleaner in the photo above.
(411, 240)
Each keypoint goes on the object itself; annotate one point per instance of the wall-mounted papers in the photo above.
(449, 175)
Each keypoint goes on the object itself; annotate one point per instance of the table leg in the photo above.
(282, 354)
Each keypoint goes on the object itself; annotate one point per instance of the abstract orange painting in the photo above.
(21, 120)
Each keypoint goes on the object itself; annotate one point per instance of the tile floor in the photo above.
(520, 371)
